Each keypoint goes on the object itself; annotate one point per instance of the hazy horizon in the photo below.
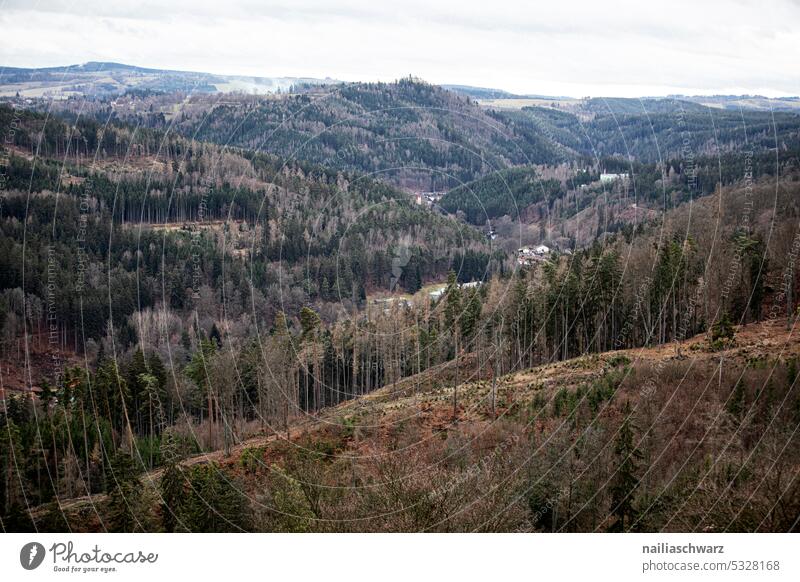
(709, 93)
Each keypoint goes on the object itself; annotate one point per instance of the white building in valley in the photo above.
(428, 198)
(530, 255)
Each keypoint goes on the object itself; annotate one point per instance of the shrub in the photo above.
(252, 458)
(619, 360)
(722, 333)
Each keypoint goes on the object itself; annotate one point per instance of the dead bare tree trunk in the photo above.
(455, 385)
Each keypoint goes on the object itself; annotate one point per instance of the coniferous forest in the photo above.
(390, 307)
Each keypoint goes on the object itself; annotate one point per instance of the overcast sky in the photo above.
(561, 47)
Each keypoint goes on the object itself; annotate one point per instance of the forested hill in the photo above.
(506, 388)
(411, 133)
(203, 318)
(526, 193)
(655, 130)
(425, 137)
(145, 219)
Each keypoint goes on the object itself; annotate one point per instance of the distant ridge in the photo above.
(104, 78)
(100, 78)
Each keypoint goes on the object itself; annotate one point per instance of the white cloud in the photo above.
(565, 47)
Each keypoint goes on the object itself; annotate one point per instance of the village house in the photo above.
(429, 198)
(529, 255)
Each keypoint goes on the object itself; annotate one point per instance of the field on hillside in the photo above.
(520, 102)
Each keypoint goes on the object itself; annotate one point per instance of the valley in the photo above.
(323, 306)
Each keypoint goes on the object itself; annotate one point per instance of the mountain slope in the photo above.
(548, 458)
(423, 137)
(149, 201)
(408, 132)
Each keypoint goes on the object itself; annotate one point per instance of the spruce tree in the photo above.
(213, 503)
(124, 495)
(626, 480)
